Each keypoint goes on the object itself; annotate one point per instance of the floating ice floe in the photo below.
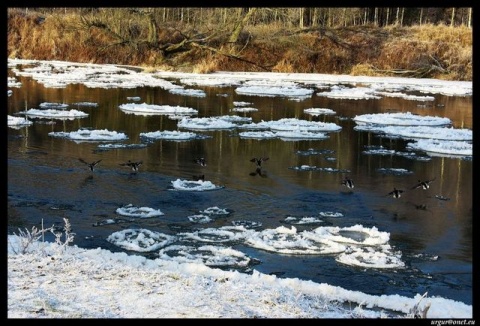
(209, 255)
(216, 211)
(330, 214)
(57, 106)
(356, 93)
(140, 240)
(141, 212)
(433, 146)
(133, 98)
(247, 224)
(224, 234)
(172, 135)
(294, 124)
(9, 92)
(120, 146)
(200, 218)
(188, 92)
(18, 121)
(209, 214)
(305, 220)
(306, 167)
(289, 241)
(380, 150)
(88, 104)
(298, 125)
(151, 109)
(300, 135)
(106, 222)
(55, 114)
(319, 111)
(241, 103)
(254, 126)
(356, 234)
(312, 151)
(371, 258)
(394, 171)
(406, 96)
(12, 82)
(415, 132)
(414, 156)
(447, 90)
(244, 109)
(273, 88)
(257, 134)
(90, 135)
(210, 123)
(234, 118)
(283, 135)
(401, 119)
(189, 185)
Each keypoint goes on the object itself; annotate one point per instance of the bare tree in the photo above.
(469, 17)
(452, 20)
(240, 25)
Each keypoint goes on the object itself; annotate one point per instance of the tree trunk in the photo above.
(469, 17)
(301, 18)
(152, 29)
(240, 24)
(315, 17)
(452, 21)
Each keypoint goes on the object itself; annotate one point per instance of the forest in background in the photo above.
(402, 41)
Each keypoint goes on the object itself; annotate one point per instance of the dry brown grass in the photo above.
(206, 65)
(364, 69)
(359, 50)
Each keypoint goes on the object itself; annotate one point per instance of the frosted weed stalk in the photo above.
(26, 238)
(69, 235)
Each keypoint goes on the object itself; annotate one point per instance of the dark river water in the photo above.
(47, 183)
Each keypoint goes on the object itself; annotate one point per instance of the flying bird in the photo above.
(258, 161)
(396, 193)
(91, 166)
(133, 165)
(348, 183)
(201, 161)
(423, 184)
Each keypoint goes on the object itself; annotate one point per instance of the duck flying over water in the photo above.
(348, 183)
(258, 161)
(133, 165)
(396, 193)
(423, 184)
(201, 161)
(91, 166)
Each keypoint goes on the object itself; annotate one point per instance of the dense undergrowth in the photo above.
(422, 51)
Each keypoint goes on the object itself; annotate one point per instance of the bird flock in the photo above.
(395, 193)
(347, 182)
